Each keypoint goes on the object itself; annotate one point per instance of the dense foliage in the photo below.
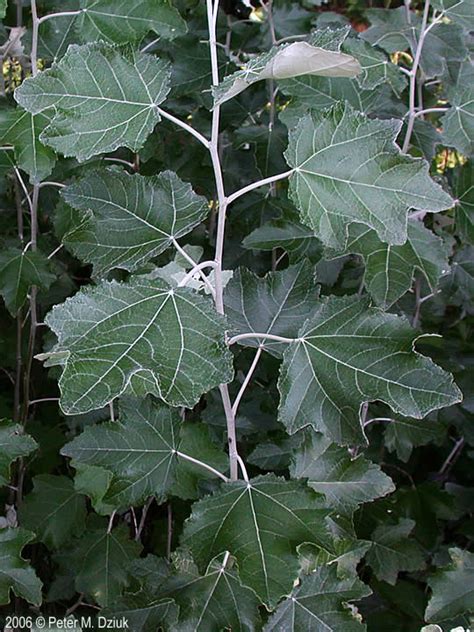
(237, 272)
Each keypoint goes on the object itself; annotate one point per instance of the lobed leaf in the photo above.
(125, 220)
(13, 445)
(142, 337)
(99, 99)
(349, 353)
(16, 574)
(121, 21)
(331, 190)
(260, 523)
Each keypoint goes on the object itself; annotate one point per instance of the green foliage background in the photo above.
(342, 321)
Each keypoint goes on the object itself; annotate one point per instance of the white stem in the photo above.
(191, 459)
(150, 45)
(34, 39)
(197, 268)
(59, 14)
(429, 111)
(263, 336)
(47, 183)
(184, 126)
(243, 469)
(194, 264)
(55, 251)
(258, 184)
(23, 186)
(120, 161)
(416, 62)
(246, 381)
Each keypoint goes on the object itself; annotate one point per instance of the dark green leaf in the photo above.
(121, 21)
(164, 341)
(16, 574)
(464, 191)
(452, 588)
(19, 270)
(54, 510)
(260, 523)
(349, 353)
(276, 304)
(81, 86)
(393, 551)
(320, 604)
(403, 434)
(345, 482)
(125, 220)
(377, 190)
(13, 444)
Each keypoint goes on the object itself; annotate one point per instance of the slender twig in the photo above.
(205, 466)
(258, 184)
(424, 30)
(184, 126)
(48, 183)
(262, 336)
(246, 381)
(194, 264)
(55, 251)
(169, 538)
(59, 14)
(143, 517)
(212, 12)
(199, 266)
(134, 520)
(43, 399)
(23, 186)
(429, 111)
(452, 456)
(34, 39)
(111, 521)
(150, 45)
(243, 469)
(416, 314)
(75, 606)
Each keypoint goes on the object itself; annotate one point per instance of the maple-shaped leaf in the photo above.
(95, 110)
(22, 130)
(260, 523)
(330, 470)
(13, 445)
(124, 220)
(349, 353)
(139, 336)
(331, 190)
(321, 604)
(121, 21)
(393, 551)
(389, 269)
(277, 304)
(143, 612)
(319, 56)
(458, 122)
(214, 601)
(99, 562)
(19, 270)
(54, 510)
(452, 588)
(464, 191)
(15, 573)
(139, 449)
(403, 434)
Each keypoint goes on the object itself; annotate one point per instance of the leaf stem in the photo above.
(34, 39)
(258, 184)
(59, 14)
(184, 126)
(246, 381)
(197, 268)
(191, 459)
(429, 111)
(424, 30)
(194, 264)
(264, 336)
